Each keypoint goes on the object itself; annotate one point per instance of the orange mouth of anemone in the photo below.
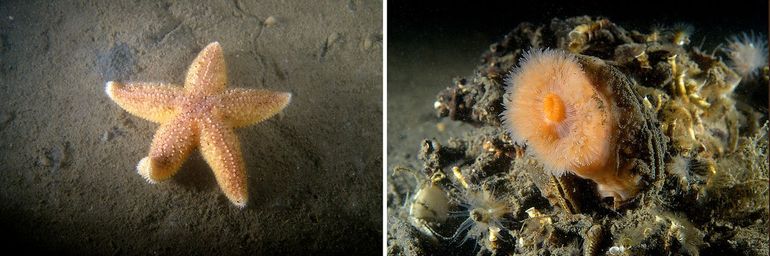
(553, 114)
(553, 108)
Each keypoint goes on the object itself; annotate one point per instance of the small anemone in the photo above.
(747, 54)
(484, 214)
(681, 33)
(688, 170)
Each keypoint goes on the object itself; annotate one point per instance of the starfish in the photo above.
(202, 114)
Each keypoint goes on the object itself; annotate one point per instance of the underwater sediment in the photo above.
(684, 152)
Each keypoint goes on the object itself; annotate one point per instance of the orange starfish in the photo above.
(202, 113)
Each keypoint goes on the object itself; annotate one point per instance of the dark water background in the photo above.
(413, 19)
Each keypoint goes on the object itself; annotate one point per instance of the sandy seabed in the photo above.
(67, 153)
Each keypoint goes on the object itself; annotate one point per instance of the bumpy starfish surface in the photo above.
(202, 113)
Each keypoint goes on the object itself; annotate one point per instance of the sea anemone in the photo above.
(485, 217)
(747, 53)
(689, 171)
(566, 122)
(681, 33)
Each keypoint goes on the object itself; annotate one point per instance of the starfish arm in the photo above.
(208, 73)
(222, 151)
(151, 101)
(244, 107)
(172, 144)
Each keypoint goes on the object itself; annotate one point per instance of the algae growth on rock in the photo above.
(698, 148)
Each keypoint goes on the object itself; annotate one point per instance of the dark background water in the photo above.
(410, 19)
